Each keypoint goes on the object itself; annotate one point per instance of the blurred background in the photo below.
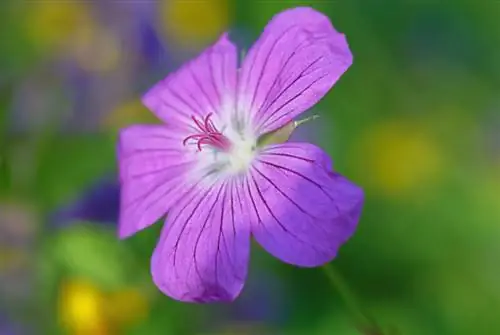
(415, 121)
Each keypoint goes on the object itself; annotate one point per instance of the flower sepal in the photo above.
(282, 134)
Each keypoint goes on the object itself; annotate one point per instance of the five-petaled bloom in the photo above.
(205, 166)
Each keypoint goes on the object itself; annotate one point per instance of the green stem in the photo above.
(364, 322)
(6, 93)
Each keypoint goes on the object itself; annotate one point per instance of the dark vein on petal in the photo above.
(187, 70)
(300, 76)
(161, 135)
(265, 203)
(298, 174)
(291, 100)
(266, 36)
(286, 195)
(280, 223)
(254, 205)
(223, 74)
(234, 230)
(171, 228)
(267, 153)
(137, 176)
(221, 228)
(306, 71)
(210, 102)
(144, 195)
(211, 71)
(232, 209)
(195, 250)
(250, 71)
(278, 76)
(132, 154)
(293, 82)
(167, 104)
(168, 88)
(266, 60)
(186, 222)
(197, 111)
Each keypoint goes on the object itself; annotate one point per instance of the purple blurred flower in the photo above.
(18, 228)
(262, 301)
(7, 327)
(99, 203)
(131, 28)
(153, 50)
(205, 167)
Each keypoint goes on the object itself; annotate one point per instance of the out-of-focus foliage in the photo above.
(415, 121)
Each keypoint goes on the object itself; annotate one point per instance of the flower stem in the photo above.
(365, 323)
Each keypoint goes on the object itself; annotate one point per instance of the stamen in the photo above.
(208, 135)
(307, 119)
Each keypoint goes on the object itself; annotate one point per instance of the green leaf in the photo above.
(70, 164)
(96, 254)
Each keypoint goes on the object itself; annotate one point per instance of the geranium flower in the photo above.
(207, 168)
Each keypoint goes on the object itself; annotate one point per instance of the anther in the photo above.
(208, 135)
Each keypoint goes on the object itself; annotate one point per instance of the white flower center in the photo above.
(241, 155)
(225, 152)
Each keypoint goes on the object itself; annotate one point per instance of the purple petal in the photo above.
(203, 85)
(153, 167)
(302, 211)
(296, 61)
(203, 252)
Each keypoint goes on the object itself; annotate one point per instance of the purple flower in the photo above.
(205, 168)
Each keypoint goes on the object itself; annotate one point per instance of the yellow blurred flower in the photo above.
(400, 158)
(127, 306)
(195, 22)
(50, 24)
(69, 26)
(127, 113)
(95, 48)
(84, 309)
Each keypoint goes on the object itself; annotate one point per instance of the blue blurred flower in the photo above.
(440, 33)
(138, 29)
(262, 302)
(7, 327)
(99, 203)
(153, 50)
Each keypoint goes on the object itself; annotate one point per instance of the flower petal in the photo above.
(291, 67)
(302, 211)
(153, 165)
(203, 85)
(203, 252)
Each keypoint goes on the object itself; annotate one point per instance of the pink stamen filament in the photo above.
(208, 135)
